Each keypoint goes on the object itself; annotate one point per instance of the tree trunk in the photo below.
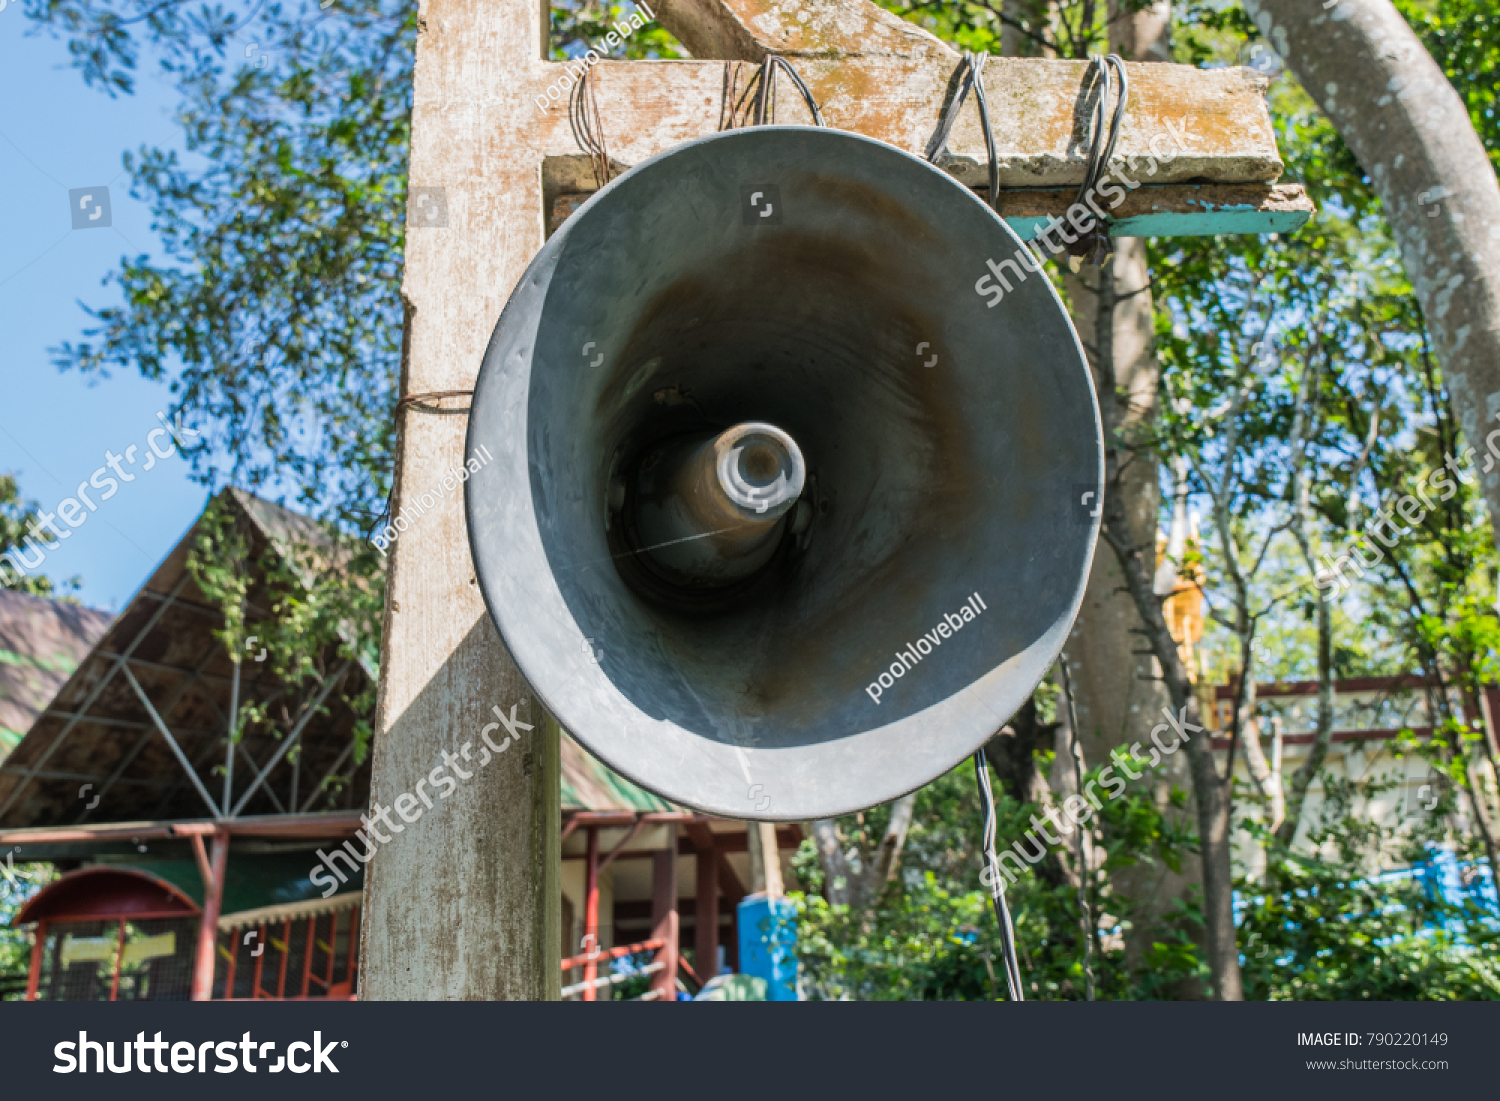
(1266, 779)
(1116, 679)
(1366, 68)
(1302, 779)
(838, 878)
(842, 886)
(1040, 16)
(765, 861)
(1211, 793)
(1012, 755)
(1474, 777)
(1286, 829)
(1144, 34)
(887, 861)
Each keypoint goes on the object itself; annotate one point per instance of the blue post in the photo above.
(768, 944)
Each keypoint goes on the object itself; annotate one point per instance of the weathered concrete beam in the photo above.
(1176, 210)
(1210, 128)
(1212, 123)
(1191, 105)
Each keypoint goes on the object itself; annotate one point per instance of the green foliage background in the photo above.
(17, 522)
(276, 314)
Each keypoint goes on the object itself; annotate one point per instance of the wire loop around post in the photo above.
(588, 126)
(971, 69)
(762, 85)
(1095, 242)
(765, 103)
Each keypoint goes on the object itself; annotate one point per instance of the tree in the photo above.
(18, 527)
(929, 935)
(276, 310)
(1116, 687)
(1411, 131)
(19, 881)
(1328, 926)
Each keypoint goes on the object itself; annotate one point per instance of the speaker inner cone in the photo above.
(702, 517)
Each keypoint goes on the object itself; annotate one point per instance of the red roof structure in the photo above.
(187, 858)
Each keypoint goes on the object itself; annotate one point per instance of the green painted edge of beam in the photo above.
(1207, 223)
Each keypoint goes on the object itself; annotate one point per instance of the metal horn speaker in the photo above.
(783, 519)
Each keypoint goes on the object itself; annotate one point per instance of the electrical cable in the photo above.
(766, 101)
(726, 102)
(411, 400)
(971, 77)
(762, 85)
(1085, 847)
(588, 125)
(996, 885)
(1095, 242)
(971, 72)
(735, 99)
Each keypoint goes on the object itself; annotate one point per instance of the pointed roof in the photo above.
(96, 753)
(78, 720)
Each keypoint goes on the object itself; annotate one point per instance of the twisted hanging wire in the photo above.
(736, 108)
(972, 68)
(1096, 242)
(765, 104)
(1085, 849)
(588, 126)
(744, 109)
(727, 107)
(760, 92)
(997, 887)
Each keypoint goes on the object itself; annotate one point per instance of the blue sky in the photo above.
(59, 136)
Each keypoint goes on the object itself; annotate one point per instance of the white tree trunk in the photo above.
(1365, 67)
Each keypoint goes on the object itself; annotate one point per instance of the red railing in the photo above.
(589, 983)
(312, 984)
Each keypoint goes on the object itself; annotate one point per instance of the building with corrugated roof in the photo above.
(196, 865)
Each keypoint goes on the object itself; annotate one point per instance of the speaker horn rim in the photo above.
(553, 690)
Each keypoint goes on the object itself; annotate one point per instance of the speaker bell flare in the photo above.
(784, 518)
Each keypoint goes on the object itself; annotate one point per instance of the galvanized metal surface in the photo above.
(705, 510)
(948, 446)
